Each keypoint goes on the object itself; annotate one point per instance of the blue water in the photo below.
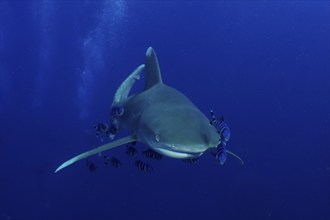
(264, 65)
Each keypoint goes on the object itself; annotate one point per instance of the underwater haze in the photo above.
(263, 65)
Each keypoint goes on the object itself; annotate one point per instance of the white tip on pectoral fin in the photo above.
(108, 146)
(126, 86)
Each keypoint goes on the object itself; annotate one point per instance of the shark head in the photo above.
(174, 127)
(165, 119)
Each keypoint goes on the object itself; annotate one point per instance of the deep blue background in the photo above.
(264, 65)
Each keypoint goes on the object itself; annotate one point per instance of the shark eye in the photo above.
(157, 138)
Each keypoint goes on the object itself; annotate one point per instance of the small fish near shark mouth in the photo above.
(157, 117)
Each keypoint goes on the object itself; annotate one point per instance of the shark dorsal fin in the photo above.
(152, 71)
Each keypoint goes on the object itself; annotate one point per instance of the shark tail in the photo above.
(104, 147)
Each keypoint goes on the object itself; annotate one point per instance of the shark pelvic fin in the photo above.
(104, 147)
(152, 75)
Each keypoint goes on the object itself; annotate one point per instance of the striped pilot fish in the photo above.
(224, 132)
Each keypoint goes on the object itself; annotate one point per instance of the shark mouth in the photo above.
(177, 154)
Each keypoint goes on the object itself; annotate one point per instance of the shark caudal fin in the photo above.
(108, 146)
(152, 71)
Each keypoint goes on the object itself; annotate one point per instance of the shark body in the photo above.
(159, 116)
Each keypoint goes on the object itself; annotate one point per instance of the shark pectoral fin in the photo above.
(108, 146)
(126, 86)
(235, 155)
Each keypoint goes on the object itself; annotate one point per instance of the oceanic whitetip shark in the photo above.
(160, 117)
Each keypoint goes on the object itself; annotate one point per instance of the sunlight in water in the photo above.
(5, 79)
(95, 46)
(43, 13)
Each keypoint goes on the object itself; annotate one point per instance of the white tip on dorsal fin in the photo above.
(152, 75)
